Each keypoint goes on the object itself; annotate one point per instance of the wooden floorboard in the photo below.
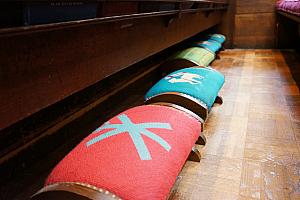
(253, 139)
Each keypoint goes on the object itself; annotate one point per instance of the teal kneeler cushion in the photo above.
(202, 84)
(217, 37)
(209, 44)
(220, 79)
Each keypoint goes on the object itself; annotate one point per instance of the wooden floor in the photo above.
(254, 137)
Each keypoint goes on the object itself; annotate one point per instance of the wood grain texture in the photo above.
(254, 24)
(254, 30)
(226, 27)
(41, 68)
(253, 139)
(255, 6)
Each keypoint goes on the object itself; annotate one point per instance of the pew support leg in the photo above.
(201, 139)
(195, 155)
(219, 100)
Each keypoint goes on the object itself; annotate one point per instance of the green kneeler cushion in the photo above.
(194, 56)
(209, 44)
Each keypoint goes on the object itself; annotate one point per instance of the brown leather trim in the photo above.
(183, 100)
(73, 191)
(183, 110)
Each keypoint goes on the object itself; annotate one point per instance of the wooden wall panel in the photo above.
(254, 24)
(255, 6)
(255, 30)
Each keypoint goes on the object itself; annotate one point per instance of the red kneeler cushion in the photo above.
(135, 155)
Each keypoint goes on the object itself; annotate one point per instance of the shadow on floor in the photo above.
(292, 59)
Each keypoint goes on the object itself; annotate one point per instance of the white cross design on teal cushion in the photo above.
(135, 131)
(184, 77)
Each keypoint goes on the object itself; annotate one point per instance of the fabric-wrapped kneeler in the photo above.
(217, 37)
(195, 89)
(209, 44)
(290, 6)
(190, 57)
(135, 155)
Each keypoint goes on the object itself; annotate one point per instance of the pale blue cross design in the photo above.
(184, 77)
(135, 131)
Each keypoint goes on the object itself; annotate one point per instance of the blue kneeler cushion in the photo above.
(210, 45)
(195, 89)
(217, 37)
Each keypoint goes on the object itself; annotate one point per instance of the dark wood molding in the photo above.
(290, 16)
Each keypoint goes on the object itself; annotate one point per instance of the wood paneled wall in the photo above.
(250, 24)
(254, 24)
